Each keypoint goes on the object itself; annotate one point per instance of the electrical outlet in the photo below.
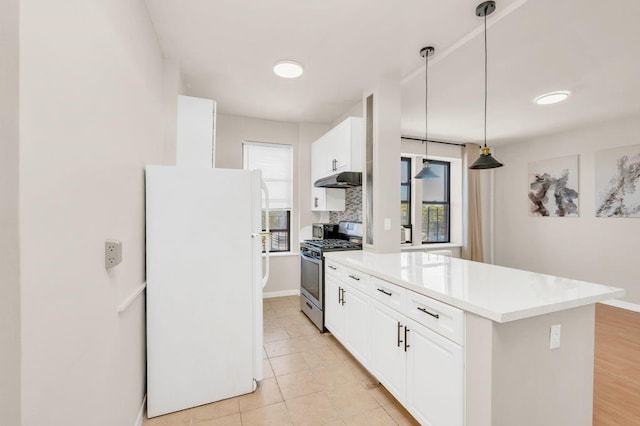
(112, 253)
(387, 224)
(554, 337)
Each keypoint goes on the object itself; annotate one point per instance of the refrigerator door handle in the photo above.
(267, 231)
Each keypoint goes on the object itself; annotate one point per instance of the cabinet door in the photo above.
(327, 199)
(388, 358)
(334, 312)
(318, 199)
(341, 146)
(435, 367)
(357, 324)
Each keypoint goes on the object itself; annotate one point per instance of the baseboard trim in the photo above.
(272, 294)
(623, 305)
(140, 418)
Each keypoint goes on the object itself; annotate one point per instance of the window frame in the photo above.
(274, 230)
(289, 211)
(440, 203)
(407, 160)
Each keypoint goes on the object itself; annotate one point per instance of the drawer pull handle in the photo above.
(436, 316)
(309, 305)
(331, 267)
(343, 301)
(388, 293)
(354, 277)
(399, 328)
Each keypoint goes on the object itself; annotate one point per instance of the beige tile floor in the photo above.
(309, 379)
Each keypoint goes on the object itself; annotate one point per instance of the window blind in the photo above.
(276, 163)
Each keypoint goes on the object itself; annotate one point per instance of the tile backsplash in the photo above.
(353, 207)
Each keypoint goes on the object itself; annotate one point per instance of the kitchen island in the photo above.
(467, 343)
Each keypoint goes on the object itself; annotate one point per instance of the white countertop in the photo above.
(495, 292)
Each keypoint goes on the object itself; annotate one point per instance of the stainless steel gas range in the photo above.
(348, 237)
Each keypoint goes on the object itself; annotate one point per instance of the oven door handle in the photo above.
(310, 259)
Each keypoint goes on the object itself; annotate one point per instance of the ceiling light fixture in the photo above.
(485, 161)
(288, 69)
(553, 97)
(426, 172)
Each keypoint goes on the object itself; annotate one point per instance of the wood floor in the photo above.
(616, 399)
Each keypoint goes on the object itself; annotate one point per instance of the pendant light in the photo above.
(426, 172)
(485, 161)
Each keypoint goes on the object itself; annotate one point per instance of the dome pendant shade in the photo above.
(485, 161)
(426, 172)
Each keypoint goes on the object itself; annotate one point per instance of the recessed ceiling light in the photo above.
(552, 98)
(288, 69)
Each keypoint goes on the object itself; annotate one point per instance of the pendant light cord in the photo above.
(426, 105)
(485, 79)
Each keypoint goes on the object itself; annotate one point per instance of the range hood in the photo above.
(340, 180)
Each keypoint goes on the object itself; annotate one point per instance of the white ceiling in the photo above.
(226, 49)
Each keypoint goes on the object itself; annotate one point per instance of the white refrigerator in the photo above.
(204, 285)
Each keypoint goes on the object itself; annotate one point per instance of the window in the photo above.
(405, 192)
(435, 204)
(276, 163)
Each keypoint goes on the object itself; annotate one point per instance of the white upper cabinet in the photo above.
(195, 144)
(323, 199)
(338, 150)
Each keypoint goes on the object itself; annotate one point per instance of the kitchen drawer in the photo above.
(356, 279)
(437, 316)
(390, 294)
(333, 269)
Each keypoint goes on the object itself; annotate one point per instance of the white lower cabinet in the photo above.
(347, 317)
(435, 382)
(388, 357)
(334, 313)
(405, 350)
(356, 328)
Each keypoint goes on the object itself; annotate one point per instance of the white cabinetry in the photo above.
(357, 324)
(334, 314)
(323, 199)
(411, 343)
(195, 144)
(347, 309)
(435, 382)
(338, 150)
(342, 150)
(388, 361)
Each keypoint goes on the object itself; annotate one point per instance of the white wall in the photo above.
(232, 131)
(356, 110)
(9, 243)
(173, 84)
(601, 250)
(91, 117)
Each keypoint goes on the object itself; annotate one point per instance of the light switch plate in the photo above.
(554, 337)
(112, 253)
(387, 224)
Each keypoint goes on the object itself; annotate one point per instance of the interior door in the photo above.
(200, 286)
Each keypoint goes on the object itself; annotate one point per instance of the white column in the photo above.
(10, 299)
(383, 123)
